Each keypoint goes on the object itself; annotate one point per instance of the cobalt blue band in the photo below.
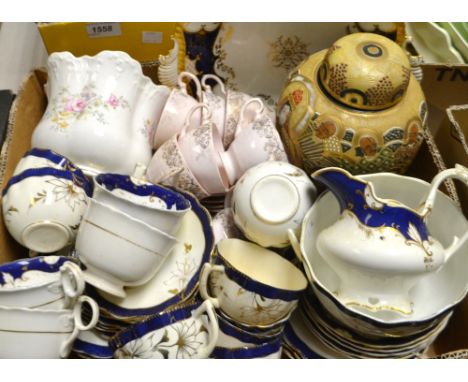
(75, 177)
(95, 351)
(245, 352)
(18, 267)
(350, 193)
(205, 220)
(228, 329)
(123, 182)
(151, 324)
(50, 155)
(255, 286)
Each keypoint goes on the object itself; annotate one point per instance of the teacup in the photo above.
(233, 336)
(215, 103)
(200, 146)
(186, 332)
(234, 102)
(269, 199)
(256, 140)
(119, 250)
(43, 207)
(251, 284)
(37, 333)
(168, 167)
(37, 158)
(157, 206)
(46, 282)
(177, 106)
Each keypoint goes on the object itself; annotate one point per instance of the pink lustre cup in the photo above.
(200, 147)
(168, 167)
(178, 104)
(216, 104)
(256, 140)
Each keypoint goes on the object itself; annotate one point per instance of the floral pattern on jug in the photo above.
(66, 107)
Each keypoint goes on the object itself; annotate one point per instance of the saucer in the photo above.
(178, 277)
(304, 343)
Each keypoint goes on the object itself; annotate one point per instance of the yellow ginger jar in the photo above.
(355, 106)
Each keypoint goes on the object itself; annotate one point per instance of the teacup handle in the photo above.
(297, 250)
(78, 323)
(206, 118)
(183, 86)
(207, 87)
(260, 109)
(213, 327)
(205, 273)
(73, 284)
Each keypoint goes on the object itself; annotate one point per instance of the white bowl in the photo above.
(119, 250)
(36, 333)
(43, 207)
(157, 206)
(434, 297)
(271, 198)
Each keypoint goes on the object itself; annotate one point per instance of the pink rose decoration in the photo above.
(75, 105)
(113, 101)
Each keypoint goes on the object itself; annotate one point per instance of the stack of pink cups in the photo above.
(205, 143)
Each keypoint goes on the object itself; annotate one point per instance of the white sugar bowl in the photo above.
(271, 198)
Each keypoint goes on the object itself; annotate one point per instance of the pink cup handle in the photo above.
(206, 118)
(261, 107)
(207, 87)
(183, 85)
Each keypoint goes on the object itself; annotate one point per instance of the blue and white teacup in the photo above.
(45, 282)
(186, 332)
(251, 284)
(233, 336)
(92, 344)
(42, 158)
(43, 207)
(157, 206)
(40, 333)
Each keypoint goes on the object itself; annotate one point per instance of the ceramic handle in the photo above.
(73, 284)
(458, 172)
(78, 323)
(243, 110)
(297, 250)
(183, 86)
(205, 273)
(206, 118)
(212, 327)
(218, 80)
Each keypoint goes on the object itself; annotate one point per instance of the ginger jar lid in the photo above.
(365, 71)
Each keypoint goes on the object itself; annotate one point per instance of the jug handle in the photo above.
(297, 250)
(458, 172)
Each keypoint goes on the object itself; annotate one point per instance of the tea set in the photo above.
(216, 246)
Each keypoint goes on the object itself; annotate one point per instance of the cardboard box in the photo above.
(143, 41)
(31, 102)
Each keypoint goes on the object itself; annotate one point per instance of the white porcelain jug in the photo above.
(381, 248)
(101, 113)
